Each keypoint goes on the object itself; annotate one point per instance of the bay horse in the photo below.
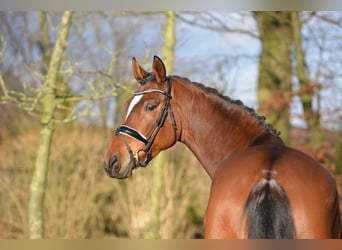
(261, 188)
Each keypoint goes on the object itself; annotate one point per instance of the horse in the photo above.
(260, 188)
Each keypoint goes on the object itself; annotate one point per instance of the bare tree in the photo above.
(45, 104)
(307, 87)
(275, 69)
(49, 102)
(158, 164)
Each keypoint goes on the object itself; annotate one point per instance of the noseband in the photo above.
(147, 141)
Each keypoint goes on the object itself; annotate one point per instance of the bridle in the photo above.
(147, 141)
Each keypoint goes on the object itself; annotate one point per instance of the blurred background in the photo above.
(286, 65)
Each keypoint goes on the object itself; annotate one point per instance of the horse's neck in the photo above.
(214, 128)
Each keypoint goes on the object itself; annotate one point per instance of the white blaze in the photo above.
(133, 103)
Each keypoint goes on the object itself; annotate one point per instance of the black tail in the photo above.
(268, 212)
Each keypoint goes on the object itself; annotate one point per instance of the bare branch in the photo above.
(3, 87)
(89, 97)
(3, 47)
(208, 20)
(329, 19)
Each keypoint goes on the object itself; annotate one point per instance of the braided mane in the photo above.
(260, 119)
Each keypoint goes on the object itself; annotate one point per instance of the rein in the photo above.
(148, 141)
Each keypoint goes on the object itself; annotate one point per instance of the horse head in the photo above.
(149, 125)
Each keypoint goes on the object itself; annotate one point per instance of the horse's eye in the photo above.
(150, 107)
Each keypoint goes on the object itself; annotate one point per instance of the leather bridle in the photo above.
(135, 161)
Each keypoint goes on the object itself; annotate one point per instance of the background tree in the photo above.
(158, 165)
(282, 62)
(48, 104)
(307, 87)
(51, 98)
(275, 69)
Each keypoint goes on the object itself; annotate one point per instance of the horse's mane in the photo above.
(260, 119)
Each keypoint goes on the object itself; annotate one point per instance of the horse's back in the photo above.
(310, 189)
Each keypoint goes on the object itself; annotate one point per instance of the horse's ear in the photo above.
(138, 71)
(159, 70)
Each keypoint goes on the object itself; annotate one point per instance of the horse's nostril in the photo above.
(114, 163)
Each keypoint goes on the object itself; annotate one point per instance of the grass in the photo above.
(82, 202)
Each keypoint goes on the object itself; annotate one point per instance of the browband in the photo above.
(150, 91)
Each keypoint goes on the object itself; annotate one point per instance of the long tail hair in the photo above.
(268, 212)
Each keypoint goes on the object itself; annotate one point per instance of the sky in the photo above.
(209, 45)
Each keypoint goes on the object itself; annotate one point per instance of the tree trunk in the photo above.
(48, 102)
(159, 162)
(274, 80)
(306, 92)
(44, 44)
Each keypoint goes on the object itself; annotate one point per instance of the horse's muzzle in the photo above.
(113, 167)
